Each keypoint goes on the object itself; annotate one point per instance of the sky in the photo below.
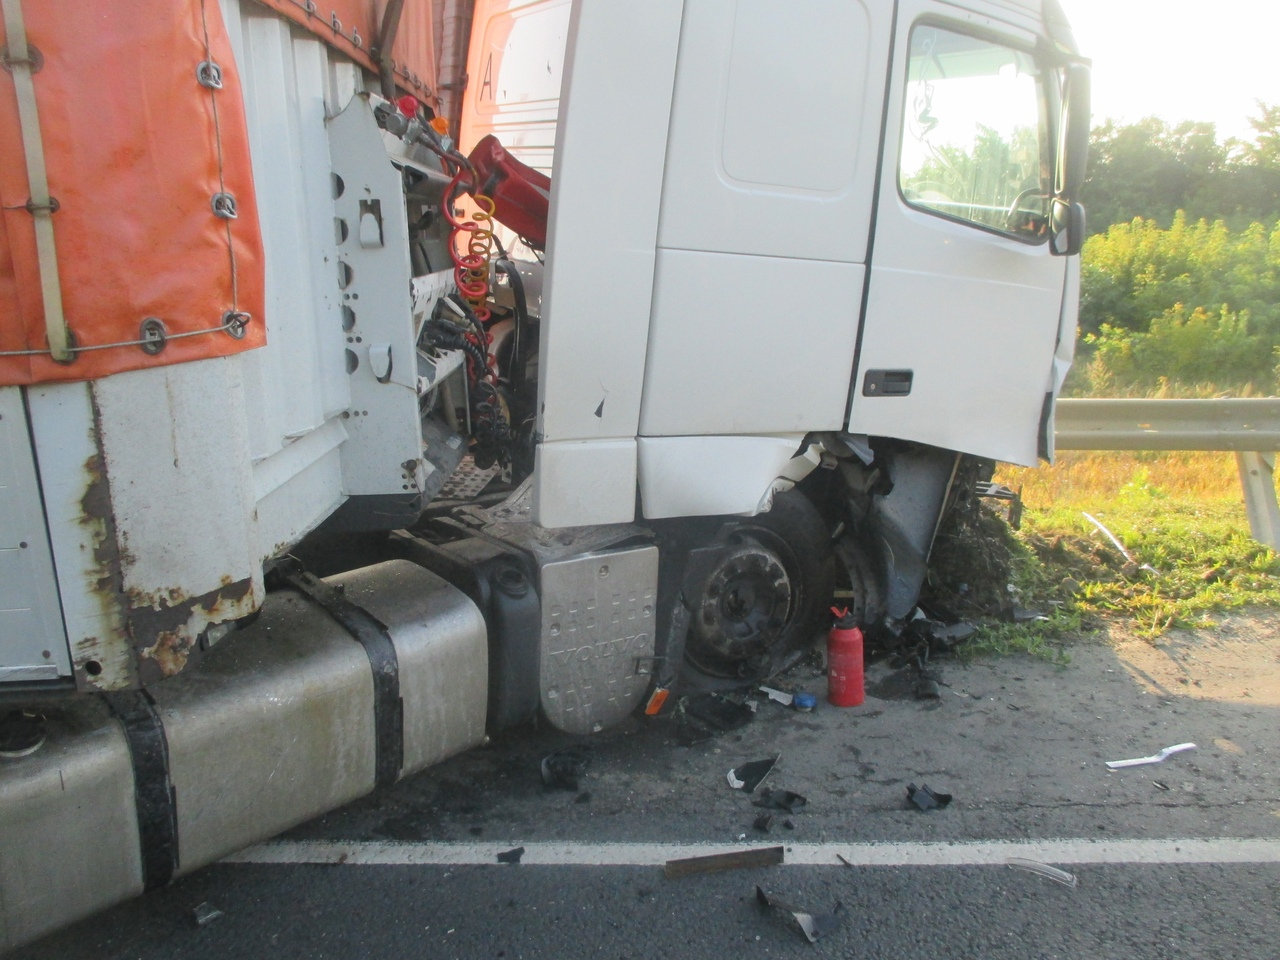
(1178, 60)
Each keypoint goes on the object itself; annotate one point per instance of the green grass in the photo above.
(1189, 528)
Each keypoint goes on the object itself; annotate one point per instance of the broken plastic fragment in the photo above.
(926, 688)
(1043, 869)
(804, 702)
(925, 799)
(763, 822)
(814, 926)
(717, 712)
(563, 768)
(780, 800)
(748, 776)
(778, 696)
(205, 914)
(1154, 758)
(511, 856)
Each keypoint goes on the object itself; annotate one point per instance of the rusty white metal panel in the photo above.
(81, 534)
(175, 450)
(33, 644)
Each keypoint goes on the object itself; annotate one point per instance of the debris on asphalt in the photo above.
(784, 800)
(1043, 869)
(840, 857)
(1154, 758)
(926, 688)
(778, 696)
(814, 926)
(563, 768)
(205, 914)
(748, 776)
(1159, 784)
(763, 822)
(511, 856)
(804, 702)
(715, 712)
(716, 862)
(583, 797)
(788, 824)
(922, 798)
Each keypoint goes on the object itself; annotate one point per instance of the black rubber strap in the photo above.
(156, 799)
(370, 633)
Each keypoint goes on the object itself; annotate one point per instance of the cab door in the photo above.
(964, 296)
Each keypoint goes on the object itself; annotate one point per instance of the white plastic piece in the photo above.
(1154, 758)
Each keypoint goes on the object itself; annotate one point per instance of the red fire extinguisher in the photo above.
(844, 661)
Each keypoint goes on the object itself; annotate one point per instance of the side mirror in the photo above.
(1067, 226)
(1066, 229)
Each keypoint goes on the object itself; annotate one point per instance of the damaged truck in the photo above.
(376, 375)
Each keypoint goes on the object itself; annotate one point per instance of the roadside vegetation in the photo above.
(1180, 297)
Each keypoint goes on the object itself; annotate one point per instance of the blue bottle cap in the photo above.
(804, 701)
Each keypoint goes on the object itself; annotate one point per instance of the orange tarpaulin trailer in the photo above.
(149, 178)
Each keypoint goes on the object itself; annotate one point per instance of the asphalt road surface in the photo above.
(1180, 859)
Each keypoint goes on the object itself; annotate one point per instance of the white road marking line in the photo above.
(1215, 850)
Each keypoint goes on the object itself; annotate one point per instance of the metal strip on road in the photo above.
(977, 853)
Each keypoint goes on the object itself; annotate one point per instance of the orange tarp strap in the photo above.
(136, 150)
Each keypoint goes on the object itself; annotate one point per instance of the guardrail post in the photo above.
(1257, 479)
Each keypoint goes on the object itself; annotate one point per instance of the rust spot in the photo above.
(169, 653)
(167, 634)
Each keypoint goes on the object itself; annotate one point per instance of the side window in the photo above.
(975, 138)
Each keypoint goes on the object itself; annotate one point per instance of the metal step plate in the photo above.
(597, 636)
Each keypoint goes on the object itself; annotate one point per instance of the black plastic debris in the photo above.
(922, 798)
(784, 800)
(717, 712)
(511, 856)
(563, 768)
(926, 688)
(583, 797)
(788, 824)
(814, 926)
(748, 776)
(763, 822)
(205, 914)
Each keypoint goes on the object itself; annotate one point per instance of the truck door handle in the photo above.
(887, 383)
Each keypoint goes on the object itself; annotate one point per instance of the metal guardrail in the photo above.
(1247, 427)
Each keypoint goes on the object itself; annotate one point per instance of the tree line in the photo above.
(1180, 285)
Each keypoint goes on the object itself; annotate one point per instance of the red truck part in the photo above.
(520, 193)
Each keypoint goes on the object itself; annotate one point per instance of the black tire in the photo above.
(741, 625)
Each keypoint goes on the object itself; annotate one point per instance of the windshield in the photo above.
(974, 144)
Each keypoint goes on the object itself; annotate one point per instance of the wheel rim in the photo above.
(746, 604)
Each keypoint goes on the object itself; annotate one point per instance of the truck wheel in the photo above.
(767, 591)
